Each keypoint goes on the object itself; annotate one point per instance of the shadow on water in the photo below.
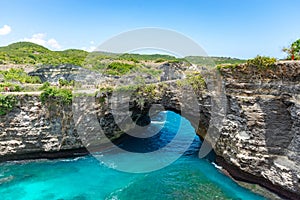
(166, 125)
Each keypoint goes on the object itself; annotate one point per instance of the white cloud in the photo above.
(89, 49)
(53, 43)
(41, 39)
(5, 30)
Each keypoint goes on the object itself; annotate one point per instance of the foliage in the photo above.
(64, 82)
(118, 68)
(11, 86)
(63, 95)
(152, 72)
(107, 89)
(294, 49)
(227, 66)
(30, 53)
(261, 62)
(7, 103)
(212, 61)
(126, 88)
(195, 80)
(19, 75)
(149, 89)
(45, 85)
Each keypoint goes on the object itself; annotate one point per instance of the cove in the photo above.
(88, 178)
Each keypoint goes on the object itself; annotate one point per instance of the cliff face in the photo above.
(32, 129)
(260, 134)
(260, 131)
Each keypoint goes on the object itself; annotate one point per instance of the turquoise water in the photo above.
(88, 178)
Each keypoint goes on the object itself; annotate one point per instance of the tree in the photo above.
(293, 51)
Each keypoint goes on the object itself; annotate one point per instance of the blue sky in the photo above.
(233, 28)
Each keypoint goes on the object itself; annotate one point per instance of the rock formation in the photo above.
(259, 133)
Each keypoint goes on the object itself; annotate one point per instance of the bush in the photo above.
(63, 82)
(195, 80)
(7, 103)
(45, 85)
(293, 50)
(261, 62)
(19, 75)
(61, 94)
(12, 87)
(117, 68)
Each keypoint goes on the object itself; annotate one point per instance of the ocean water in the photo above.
(90, 177)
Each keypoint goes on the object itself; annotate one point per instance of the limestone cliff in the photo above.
(260, 130)
(34, 130)
(260, 134)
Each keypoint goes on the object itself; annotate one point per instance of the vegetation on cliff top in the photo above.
(14, 74)
(293, 50)
(50, 93)
(259, 62)
(7, 103)
(213, 61)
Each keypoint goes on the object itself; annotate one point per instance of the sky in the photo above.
(233, 28)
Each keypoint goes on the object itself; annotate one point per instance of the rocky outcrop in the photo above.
(68, 72)
(34, 130)
(87, 77)
(259, 132)
(260, 135)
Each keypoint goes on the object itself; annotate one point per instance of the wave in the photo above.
(158, 122)
(216, 166)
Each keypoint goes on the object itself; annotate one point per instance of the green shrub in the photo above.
(12, 87)
(126, 88)
(7, 103)
(294, 49)
(63, 82)
(195, 80)
(118, 68)
(149, 90)
(261, 62)
(62, 95)
(45, 85)
(227, 66)
(107, 89)
(160, 60)
(19, 75)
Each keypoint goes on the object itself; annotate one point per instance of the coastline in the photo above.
(238, 175)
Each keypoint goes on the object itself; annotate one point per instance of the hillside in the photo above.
(34, 54)
(213, 61)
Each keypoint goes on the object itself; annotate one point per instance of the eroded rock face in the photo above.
(34, 128)
(260, 133)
